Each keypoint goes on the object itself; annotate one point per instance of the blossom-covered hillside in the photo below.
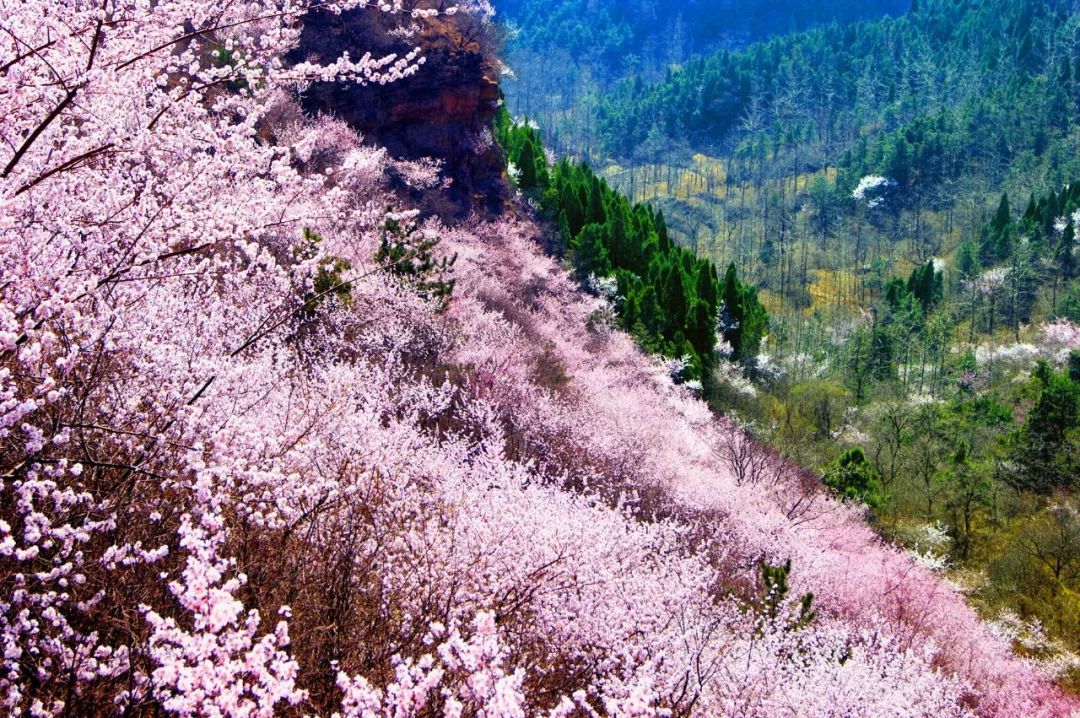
(264, 453)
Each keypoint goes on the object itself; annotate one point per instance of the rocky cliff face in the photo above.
(444, 111)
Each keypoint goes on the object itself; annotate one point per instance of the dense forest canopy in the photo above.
(972, 59)
(621, 33)
(559, 53)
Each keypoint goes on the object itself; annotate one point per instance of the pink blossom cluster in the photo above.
(500, 509)
(1060, 338)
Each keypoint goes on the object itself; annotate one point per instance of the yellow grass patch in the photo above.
(834, 289)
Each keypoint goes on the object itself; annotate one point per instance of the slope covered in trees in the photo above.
(561, 54)
(903, 193)
(973, 59)
(674, 303)
(615, 33)
(264, 452)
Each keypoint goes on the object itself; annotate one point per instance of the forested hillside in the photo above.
(667, 298)
(618, 32)
(949, 103)
(903, 193)
(563, 54)
(325, 390)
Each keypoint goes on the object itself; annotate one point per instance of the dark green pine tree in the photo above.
(927, 285)
(590, 254)
(408, 252)
(775, 590)
(674, 299)
(331, 278)
(854, 478)
(1045, 447)
(997, 239)
(1066, 252)
(529, 177)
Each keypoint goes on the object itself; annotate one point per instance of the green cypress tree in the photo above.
(596, 213)
(1065, 254)
(526, 163)
(899, 162)
(662, 232)
(997, 242)
(650, 310)
(744, 319)
(1052, 209)
(1069, 306)
(732, 319)
(631, 311)
(1032, 211)
(589, 252)
(701, 329)
(571, 204)
(707, 289)
(967, 259)
(1045, 447)
(565, 234)
(621, 253)
(675, 303)
(927, 285)
(853, 478)
(1003, 217)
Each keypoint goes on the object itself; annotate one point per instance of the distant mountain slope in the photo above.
(837, 82)
(560, 53)
(606, 33)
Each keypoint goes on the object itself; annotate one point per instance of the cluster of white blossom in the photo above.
(872, 190)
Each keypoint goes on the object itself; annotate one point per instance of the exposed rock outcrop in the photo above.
(444, 111)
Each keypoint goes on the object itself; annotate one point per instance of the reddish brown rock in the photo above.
(444, 111)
